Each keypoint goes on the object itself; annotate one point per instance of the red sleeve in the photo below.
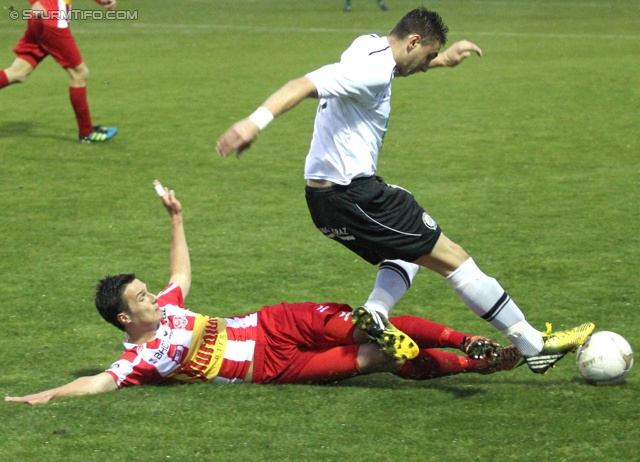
(33, 1)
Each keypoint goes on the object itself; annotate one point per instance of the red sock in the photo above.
(432, 363)
(4, 80)
(78, 96)
(428, 334)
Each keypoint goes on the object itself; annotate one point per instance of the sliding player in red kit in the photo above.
(279, 344)
(48, 33)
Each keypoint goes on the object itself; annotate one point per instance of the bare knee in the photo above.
(78, 75)
(458, 254)
(445, 258)
(19, 71)
(17, 78)
(372, 359)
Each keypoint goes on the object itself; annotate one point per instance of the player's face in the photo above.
(418, 58)
(143, 306)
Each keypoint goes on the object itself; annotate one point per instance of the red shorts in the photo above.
(293, 345)
(41, 40)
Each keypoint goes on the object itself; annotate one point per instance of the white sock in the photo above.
(486, 298)
(392, 282)
(526, 339)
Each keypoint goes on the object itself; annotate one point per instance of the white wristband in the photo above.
(261, 117)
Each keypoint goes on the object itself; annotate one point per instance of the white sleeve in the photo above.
(357, 80)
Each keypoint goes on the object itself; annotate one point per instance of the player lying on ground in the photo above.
(286, 343)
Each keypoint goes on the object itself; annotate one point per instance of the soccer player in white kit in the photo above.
(380, 222)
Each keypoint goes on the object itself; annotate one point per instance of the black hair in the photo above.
(428, 24)
(109, 298)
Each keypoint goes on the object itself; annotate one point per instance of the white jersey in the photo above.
(353, 112)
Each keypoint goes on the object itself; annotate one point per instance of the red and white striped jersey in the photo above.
(189, 347)
(59, 11)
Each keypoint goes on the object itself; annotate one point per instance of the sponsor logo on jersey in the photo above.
(209, 353)
(162, 350)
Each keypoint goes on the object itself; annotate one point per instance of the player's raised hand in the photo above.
(238, 138)
(168, 198)
(459, 51)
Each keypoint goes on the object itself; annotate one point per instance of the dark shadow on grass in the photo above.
(15, 128)
(390, 382)
(25, 129)
(459, 386)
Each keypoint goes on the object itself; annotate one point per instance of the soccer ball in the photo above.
(605, 358)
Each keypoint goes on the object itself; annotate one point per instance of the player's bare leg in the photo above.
(372, 359)
(482, 294)
(487, 299)
(87, 132)
(18, 72)
(78, 75)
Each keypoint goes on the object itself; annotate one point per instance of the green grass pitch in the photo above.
(528, 157)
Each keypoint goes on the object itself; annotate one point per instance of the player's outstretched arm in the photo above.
(455, 54)
(179, 260)
(94, 384)
(240, 136)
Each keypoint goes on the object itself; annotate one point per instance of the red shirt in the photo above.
(59, 12)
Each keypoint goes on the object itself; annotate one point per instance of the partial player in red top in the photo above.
(48, 34)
